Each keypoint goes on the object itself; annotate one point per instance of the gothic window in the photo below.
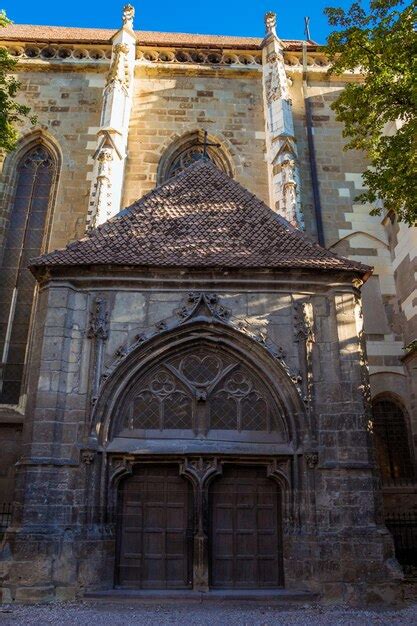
(391, 440)
(187, 151)
(36, 172)
(188, 156)
(203, 392)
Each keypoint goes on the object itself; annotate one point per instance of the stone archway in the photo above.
(201, 396)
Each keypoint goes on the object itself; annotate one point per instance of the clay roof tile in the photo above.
(35, 33)
(199, 219)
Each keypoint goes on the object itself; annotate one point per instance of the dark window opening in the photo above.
(391, 441)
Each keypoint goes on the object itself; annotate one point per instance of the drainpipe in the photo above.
(312, 153)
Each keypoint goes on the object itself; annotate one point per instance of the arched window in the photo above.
(35, 178)
(201, 393)
(189, 149)
(391, 440)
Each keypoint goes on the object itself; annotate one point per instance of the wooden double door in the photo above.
(158, 521)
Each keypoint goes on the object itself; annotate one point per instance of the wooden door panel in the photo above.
(245, 526)
(154, 549)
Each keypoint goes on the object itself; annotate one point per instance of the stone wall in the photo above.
(169, 104)
(349, 230)
(67, 106)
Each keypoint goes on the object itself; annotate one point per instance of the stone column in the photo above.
(281, 151)
(110, 155)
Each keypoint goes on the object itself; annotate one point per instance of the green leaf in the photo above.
(12, 113)
(379, 113)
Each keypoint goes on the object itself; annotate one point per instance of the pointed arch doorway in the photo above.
(206, 410)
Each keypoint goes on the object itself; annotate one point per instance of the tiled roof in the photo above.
(27, 32)
(199, 219)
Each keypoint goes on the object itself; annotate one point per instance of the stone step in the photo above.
(214, 595)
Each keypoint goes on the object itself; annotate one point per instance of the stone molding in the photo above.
(100, 55)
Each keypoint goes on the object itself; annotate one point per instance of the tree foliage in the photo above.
(11, 112)
(381, 43)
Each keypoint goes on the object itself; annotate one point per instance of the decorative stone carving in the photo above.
(98, 331)
(199, 56)
(273, 84)
(103, 197)
(104, 157)
(200, 303)
(99, 55)
(303, 329)
(205, 306)
(120, 467)
(312, 459)
(270, 22)
(238, 401)
(108, 174)
(279, 127)
(87, 456)
(99, 320)
(128, 15)
(200, 469)
(119, 70)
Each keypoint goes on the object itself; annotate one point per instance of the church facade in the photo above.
(211, 388)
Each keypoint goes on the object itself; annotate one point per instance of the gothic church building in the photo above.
(207, 376)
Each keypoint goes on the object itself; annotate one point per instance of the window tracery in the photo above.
(189, 156)
(35, 178)
(189, 149)
(200, 391)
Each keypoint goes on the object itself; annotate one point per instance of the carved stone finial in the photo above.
(128, 15)
(270, 22)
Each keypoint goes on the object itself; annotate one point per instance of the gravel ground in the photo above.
(95, 613)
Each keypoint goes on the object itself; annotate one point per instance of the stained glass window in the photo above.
(23, 240)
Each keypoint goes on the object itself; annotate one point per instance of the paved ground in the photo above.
(103, 613)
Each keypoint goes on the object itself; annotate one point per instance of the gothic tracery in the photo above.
(231, 397)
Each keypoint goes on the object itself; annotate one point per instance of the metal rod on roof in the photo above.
(307, 28)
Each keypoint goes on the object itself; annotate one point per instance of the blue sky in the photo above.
(212, 16)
